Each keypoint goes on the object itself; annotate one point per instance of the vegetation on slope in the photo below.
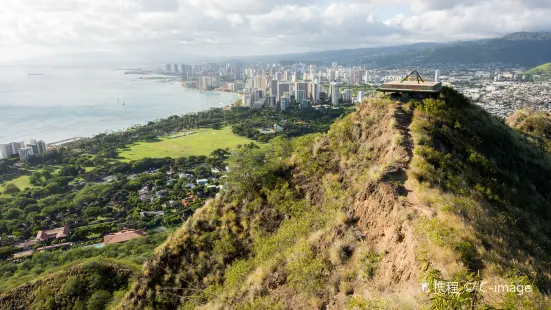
(535, 125)
(542, 72)
(91, 285)
(391, 197)
(490, 192)
(137, 251)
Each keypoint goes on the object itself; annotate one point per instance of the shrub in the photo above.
(368, 263)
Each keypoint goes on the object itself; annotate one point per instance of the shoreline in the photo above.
(63, 112)
(62, 140)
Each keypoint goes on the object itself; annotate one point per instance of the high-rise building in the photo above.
(285, 103)
(312, 72)
(360, 96)
(347, 95)
(176, 68)
(41, 146)
(5, 151)
(271, 101)
(314, 92)
(25, 153)
(273, 87)
(335, 94)
(257, 81)
(258, 95)
(281, 89)
(332, 75)
(302, 86)
(286, 76)
(294, 77)
(168, 67)
(300, 95)
(15, 146)
(235, 87)
(249, 73)
(34, 148)
(437, 75)
(246, 100)
(278, 76)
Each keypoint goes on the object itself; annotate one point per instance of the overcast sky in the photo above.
(162, 29)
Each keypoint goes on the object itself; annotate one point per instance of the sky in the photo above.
(172, 30)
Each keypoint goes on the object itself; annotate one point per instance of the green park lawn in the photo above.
(22, 182)
(202, 142)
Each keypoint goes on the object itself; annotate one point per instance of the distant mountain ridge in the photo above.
(520, 48)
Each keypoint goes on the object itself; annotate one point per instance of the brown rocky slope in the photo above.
(393, 196)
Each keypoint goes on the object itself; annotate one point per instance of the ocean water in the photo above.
(69, 102)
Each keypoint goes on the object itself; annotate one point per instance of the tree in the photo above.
(11, 189)
(202, 171)
(36, 178)
(93, 211)
(251, 169)
(13, 213)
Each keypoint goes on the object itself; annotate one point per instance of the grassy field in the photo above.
(202, 142)
(22, 182)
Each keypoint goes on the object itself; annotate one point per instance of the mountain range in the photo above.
(522, 48)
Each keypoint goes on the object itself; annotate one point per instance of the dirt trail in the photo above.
(404, 120)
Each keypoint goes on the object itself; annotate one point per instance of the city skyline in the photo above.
(140, 30)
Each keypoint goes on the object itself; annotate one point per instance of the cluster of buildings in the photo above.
(504, 98)
(22, 150)
(279, 86)
(498, 87)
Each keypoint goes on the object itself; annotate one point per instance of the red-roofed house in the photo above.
(58, 233)
(123, 236)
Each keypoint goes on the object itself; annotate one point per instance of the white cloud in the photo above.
(241, 27)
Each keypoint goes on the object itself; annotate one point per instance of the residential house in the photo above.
(186, 175)
(278, 128)
(202, 182)
(147, 197)
(161, 193)
(170, 204)
(58, 233)
(123, 236)
(143, 191)
(152, 213)
(188, 200)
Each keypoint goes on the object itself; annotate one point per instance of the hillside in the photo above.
(393, 196)
(92, 284)
(535, 125)
(542, 72)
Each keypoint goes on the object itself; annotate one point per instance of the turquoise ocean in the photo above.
(56, 103)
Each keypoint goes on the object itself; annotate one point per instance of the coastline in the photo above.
(68, 122)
